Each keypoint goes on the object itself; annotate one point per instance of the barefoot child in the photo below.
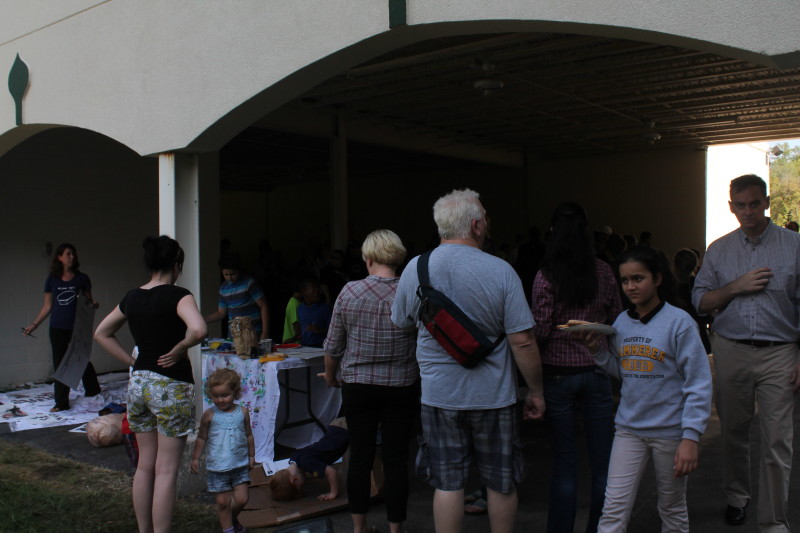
(658, 355)
(231, 449)
(315, 461)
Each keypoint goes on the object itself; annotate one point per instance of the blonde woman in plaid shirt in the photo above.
(379, 377)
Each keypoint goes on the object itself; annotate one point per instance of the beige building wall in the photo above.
(159, 76)
(69, 185)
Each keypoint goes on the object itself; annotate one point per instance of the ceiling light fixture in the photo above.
(488, 86)
(652, 135)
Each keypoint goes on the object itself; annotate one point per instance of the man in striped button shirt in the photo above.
(750, 282)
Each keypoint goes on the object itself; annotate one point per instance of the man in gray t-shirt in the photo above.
(466, 410)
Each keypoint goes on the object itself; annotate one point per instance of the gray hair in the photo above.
(455, 211)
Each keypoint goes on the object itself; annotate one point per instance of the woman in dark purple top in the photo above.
(62, 290)
(574, 284)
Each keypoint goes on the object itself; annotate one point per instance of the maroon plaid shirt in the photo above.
(373, 350)
(559, 348)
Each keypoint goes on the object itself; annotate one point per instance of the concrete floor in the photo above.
(706, 501)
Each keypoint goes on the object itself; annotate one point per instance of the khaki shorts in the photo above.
(156, 402)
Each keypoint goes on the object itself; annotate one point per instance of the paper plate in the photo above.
(603, 329)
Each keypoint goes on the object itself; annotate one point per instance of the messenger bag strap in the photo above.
(425, 281)
(422, 269)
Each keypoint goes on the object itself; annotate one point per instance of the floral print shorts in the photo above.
(156, 402)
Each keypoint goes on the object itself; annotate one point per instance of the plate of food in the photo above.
(287, 346)
(580, 325)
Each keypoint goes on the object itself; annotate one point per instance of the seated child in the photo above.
(315, 461)
(313, 314)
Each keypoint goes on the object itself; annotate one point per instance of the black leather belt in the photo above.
(759, 344)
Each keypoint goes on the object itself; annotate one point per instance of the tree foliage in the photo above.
(784, 184)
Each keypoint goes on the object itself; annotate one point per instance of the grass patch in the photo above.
(44, 492)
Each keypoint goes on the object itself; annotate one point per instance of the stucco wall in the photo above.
(157, 76)
(74, 186)
(729, 27)
(154, 75)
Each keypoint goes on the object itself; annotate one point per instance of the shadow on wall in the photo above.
(70, 185)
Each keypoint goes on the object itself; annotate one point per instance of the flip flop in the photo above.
(477, 507)
(472, 496)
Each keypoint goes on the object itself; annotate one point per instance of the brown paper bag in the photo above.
(244, 336)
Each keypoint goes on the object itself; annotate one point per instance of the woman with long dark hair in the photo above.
(62, 291)
(573, 285)
(165, 323)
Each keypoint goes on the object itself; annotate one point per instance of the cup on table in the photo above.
(265, 346)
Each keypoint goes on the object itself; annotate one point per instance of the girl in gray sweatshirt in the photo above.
(658, 355)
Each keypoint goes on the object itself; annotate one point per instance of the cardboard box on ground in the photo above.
(262, 511)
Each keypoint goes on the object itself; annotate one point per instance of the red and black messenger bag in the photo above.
(448, 324)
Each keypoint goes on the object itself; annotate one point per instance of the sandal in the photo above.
(476, 494)
(58, 409)
(477, 507)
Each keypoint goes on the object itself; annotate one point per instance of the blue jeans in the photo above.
(589, 392)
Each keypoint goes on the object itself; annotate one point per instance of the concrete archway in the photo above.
(270, 98)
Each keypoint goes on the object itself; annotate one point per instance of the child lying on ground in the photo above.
(315, 461)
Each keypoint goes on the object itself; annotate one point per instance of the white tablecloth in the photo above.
(261, 394)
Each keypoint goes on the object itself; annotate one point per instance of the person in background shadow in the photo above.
(333, 275)
(529, 259)
(686, 264)
(313, 314)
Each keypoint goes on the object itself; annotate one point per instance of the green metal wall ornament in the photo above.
(18, 84)
(397, 13)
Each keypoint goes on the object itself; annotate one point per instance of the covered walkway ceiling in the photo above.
(561, 95)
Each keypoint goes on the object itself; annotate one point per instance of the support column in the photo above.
(166, 194)
(338, 153)
(188, 208)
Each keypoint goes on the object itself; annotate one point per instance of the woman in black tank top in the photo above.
(165, 323)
